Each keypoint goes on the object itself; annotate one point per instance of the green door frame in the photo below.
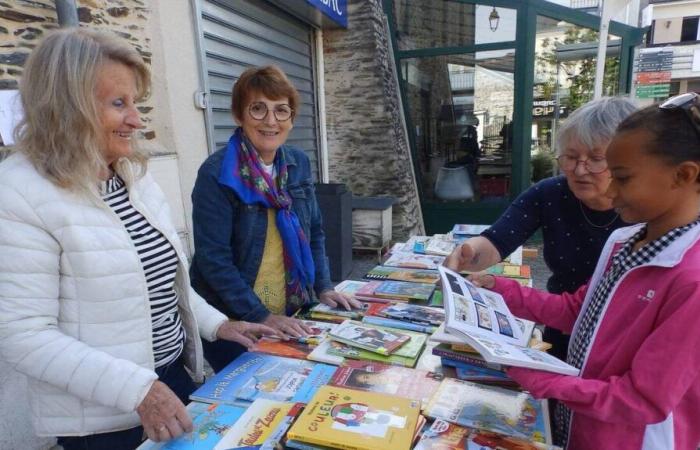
(440, 216)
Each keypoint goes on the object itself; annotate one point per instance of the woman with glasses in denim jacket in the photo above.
(259, 245)
(571, 209)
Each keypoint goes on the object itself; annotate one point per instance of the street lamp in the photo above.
(493, 19)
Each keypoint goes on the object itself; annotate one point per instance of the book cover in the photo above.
(349, 287)
(262, 426)
(482, 318)
(491, 408)
(352, 419)
(394, 380)
(414, 313)
(378, 340)
(256, 375)
(290, 348)
(355, 313)
(445, 351)
(463, 229)
(414, 260)
(440, 244)
(345, 351)
(210, 423)
(442, 435)
(322, 353)
(404, 290)
(399, 274)
(398, 324)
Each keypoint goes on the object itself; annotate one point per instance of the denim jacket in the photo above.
(229, 237)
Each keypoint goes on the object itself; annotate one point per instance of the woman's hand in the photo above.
(463, 257)
(162, 414)
(335, 299)
(245, 333)
(287, 327)
(483, 280)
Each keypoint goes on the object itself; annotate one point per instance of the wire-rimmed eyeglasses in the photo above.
(259, 110)
(689, 103)
(569, 163)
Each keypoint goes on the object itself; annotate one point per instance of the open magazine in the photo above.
(482, 318)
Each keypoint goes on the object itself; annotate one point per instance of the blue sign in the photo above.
(336, 10)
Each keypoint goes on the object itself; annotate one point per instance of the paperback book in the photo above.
(414, 260)
(289, 349)
(468, 230)
(414, 313)
(394, 380)
(325, 310)
(442, 435)
(404, 290)
(440, 244)
(255, 375)
(263, 426)
(491, 408)
(322, 353)
(482, 318)
(210, 423)
(398, 274)
(406, 355)
(350, 419)
(377, 340)
(398, 324)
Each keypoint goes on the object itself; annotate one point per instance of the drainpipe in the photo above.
(67, 13)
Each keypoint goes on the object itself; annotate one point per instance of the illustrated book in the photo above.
(482, 318)
(406, 355)
(357, 420)
(399, 274)
(378, 340)
(256, 375)
(491, 408)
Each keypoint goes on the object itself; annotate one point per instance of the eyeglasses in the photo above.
(689, 104)
(570, 163)
(259, 110)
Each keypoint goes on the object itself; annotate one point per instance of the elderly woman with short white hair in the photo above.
(95, 303)
(572, 210)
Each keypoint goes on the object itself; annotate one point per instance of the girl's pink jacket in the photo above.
(639, 387)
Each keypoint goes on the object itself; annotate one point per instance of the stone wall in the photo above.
(24, 22)
(367, 145)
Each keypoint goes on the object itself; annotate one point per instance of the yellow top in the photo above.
(269, 284)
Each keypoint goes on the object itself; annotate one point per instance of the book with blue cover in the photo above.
(210, 423)
(255, 375)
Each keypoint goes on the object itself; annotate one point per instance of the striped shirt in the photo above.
(159, 261)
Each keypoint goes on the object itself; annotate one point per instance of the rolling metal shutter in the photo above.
(238, 34)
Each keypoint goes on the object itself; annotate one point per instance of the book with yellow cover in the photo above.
(357, 420)
(262, 426)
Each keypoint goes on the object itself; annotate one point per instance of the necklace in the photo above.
(583, 212)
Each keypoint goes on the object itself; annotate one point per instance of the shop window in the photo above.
(689, 30)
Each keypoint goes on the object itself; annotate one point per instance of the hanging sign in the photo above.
(336, 10)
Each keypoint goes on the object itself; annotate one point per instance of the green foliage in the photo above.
(542, 165)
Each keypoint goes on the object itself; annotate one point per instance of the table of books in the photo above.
(419, 366)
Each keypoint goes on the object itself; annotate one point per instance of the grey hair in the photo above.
(594, 124)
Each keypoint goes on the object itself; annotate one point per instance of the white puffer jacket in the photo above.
(74, 307)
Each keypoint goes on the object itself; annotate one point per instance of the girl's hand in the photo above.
(287, 327)
(245, 333)
(483, 280)
(336, 299)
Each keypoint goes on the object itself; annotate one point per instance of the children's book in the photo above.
(461, 229)
(349, 286)
(325, 310)
(378, 340)
(255, 375)
(482, 318)
(413, 260)
(406, 355)
(440, 244)
(398, 274)
(491, 408)
(322, 353)
(351, 419)
(398, 324)
(290, 348)
(210, 423)
(445, 351)
(442, 435)
(262, 427)
(394, 380)
(404, 290)
(414, 313)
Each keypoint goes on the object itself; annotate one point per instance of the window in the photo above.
(689, 30)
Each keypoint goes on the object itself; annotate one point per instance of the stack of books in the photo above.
(387, 290)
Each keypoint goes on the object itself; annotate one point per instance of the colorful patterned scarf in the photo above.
(242, 171)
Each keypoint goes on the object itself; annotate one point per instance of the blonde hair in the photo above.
(61, 132)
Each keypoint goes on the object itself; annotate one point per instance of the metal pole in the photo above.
(67, 13)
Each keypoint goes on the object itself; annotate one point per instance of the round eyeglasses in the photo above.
(259, 110)
(570, 163)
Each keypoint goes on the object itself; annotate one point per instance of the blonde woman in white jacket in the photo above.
(95, 303)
